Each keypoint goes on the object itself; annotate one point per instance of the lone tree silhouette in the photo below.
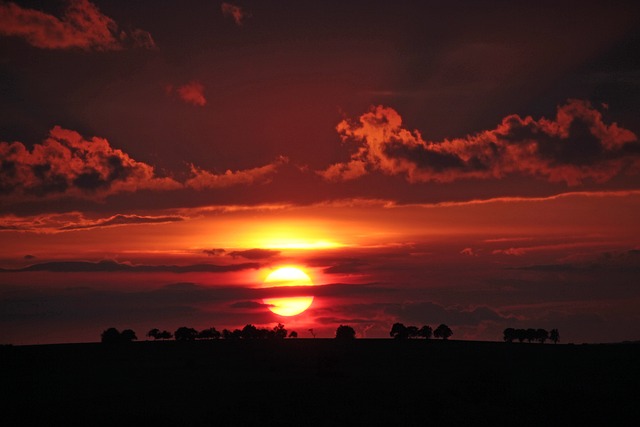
(345, 332)
(185, 334)
(399, 331)
(128, 335)
(111, 335)
(554, 336)
(293, 334)
(443, 331)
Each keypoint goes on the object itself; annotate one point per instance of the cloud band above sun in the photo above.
(574, 147)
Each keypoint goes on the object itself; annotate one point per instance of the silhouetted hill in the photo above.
(321, 382)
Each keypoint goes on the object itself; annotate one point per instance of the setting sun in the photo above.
(288, 276)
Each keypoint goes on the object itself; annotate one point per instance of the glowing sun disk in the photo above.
(289, 306)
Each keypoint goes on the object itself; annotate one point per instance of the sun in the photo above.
(288, 276)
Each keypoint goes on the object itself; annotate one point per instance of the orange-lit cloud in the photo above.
(203, 179)
(52, 223)
(575, 146)
(233, 11)
(81, 26)
(191, 93)
(67, 164)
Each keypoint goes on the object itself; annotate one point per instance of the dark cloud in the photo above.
(574, 147)
(254, 254)
(620, 261)
(345, 267)
(81, 26)
(251, 305)
(214, 252)
(113, 266)
(29, 257)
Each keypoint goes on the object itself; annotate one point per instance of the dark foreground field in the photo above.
(300, 382)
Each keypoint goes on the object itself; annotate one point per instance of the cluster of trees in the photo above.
(343, 332)
(248, 332)
(112, 335)
(530, 335)
(400, 331)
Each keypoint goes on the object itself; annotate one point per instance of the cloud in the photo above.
(53, 223)
(81, 26)
(203, 179)
(575, 146)
(191, 93)
(251, 305)
(67, 164)
(254, 254)
(113, 266)
(612, 261)
(121, 219)
(233, 11)
(468, 252)
(213, 252)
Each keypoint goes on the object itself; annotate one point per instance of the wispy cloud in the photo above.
(574, 147)
(191, 93)
(202, 179)
(233, 11)
(81, 26)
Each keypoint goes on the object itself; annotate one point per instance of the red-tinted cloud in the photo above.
(67, 164)
(203, 179)
(81, 26)
(576, 146)
(233, 11)
(192, 93)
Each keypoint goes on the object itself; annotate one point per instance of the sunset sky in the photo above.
(469, 163)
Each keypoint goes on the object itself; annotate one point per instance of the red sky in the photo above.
(424, 163)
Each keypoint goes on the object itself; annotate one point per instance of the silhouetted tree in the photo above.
(521, 334)
(154, 333)
(313, 334)
(128, 335)
(231, 335)
(399, 331)
(554, 336)
(509, 335)
(249, 332)
(278, 332)
(542, 335)
(293, 334)
(209, 334)
(165, 335)
(425, 332)
(412, 331)
(111, 335)
(443, 331)
(185, 334)
(345, 332)
(530, 334)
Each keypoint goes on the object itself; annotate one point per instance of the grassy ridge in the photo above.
(322, 382)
